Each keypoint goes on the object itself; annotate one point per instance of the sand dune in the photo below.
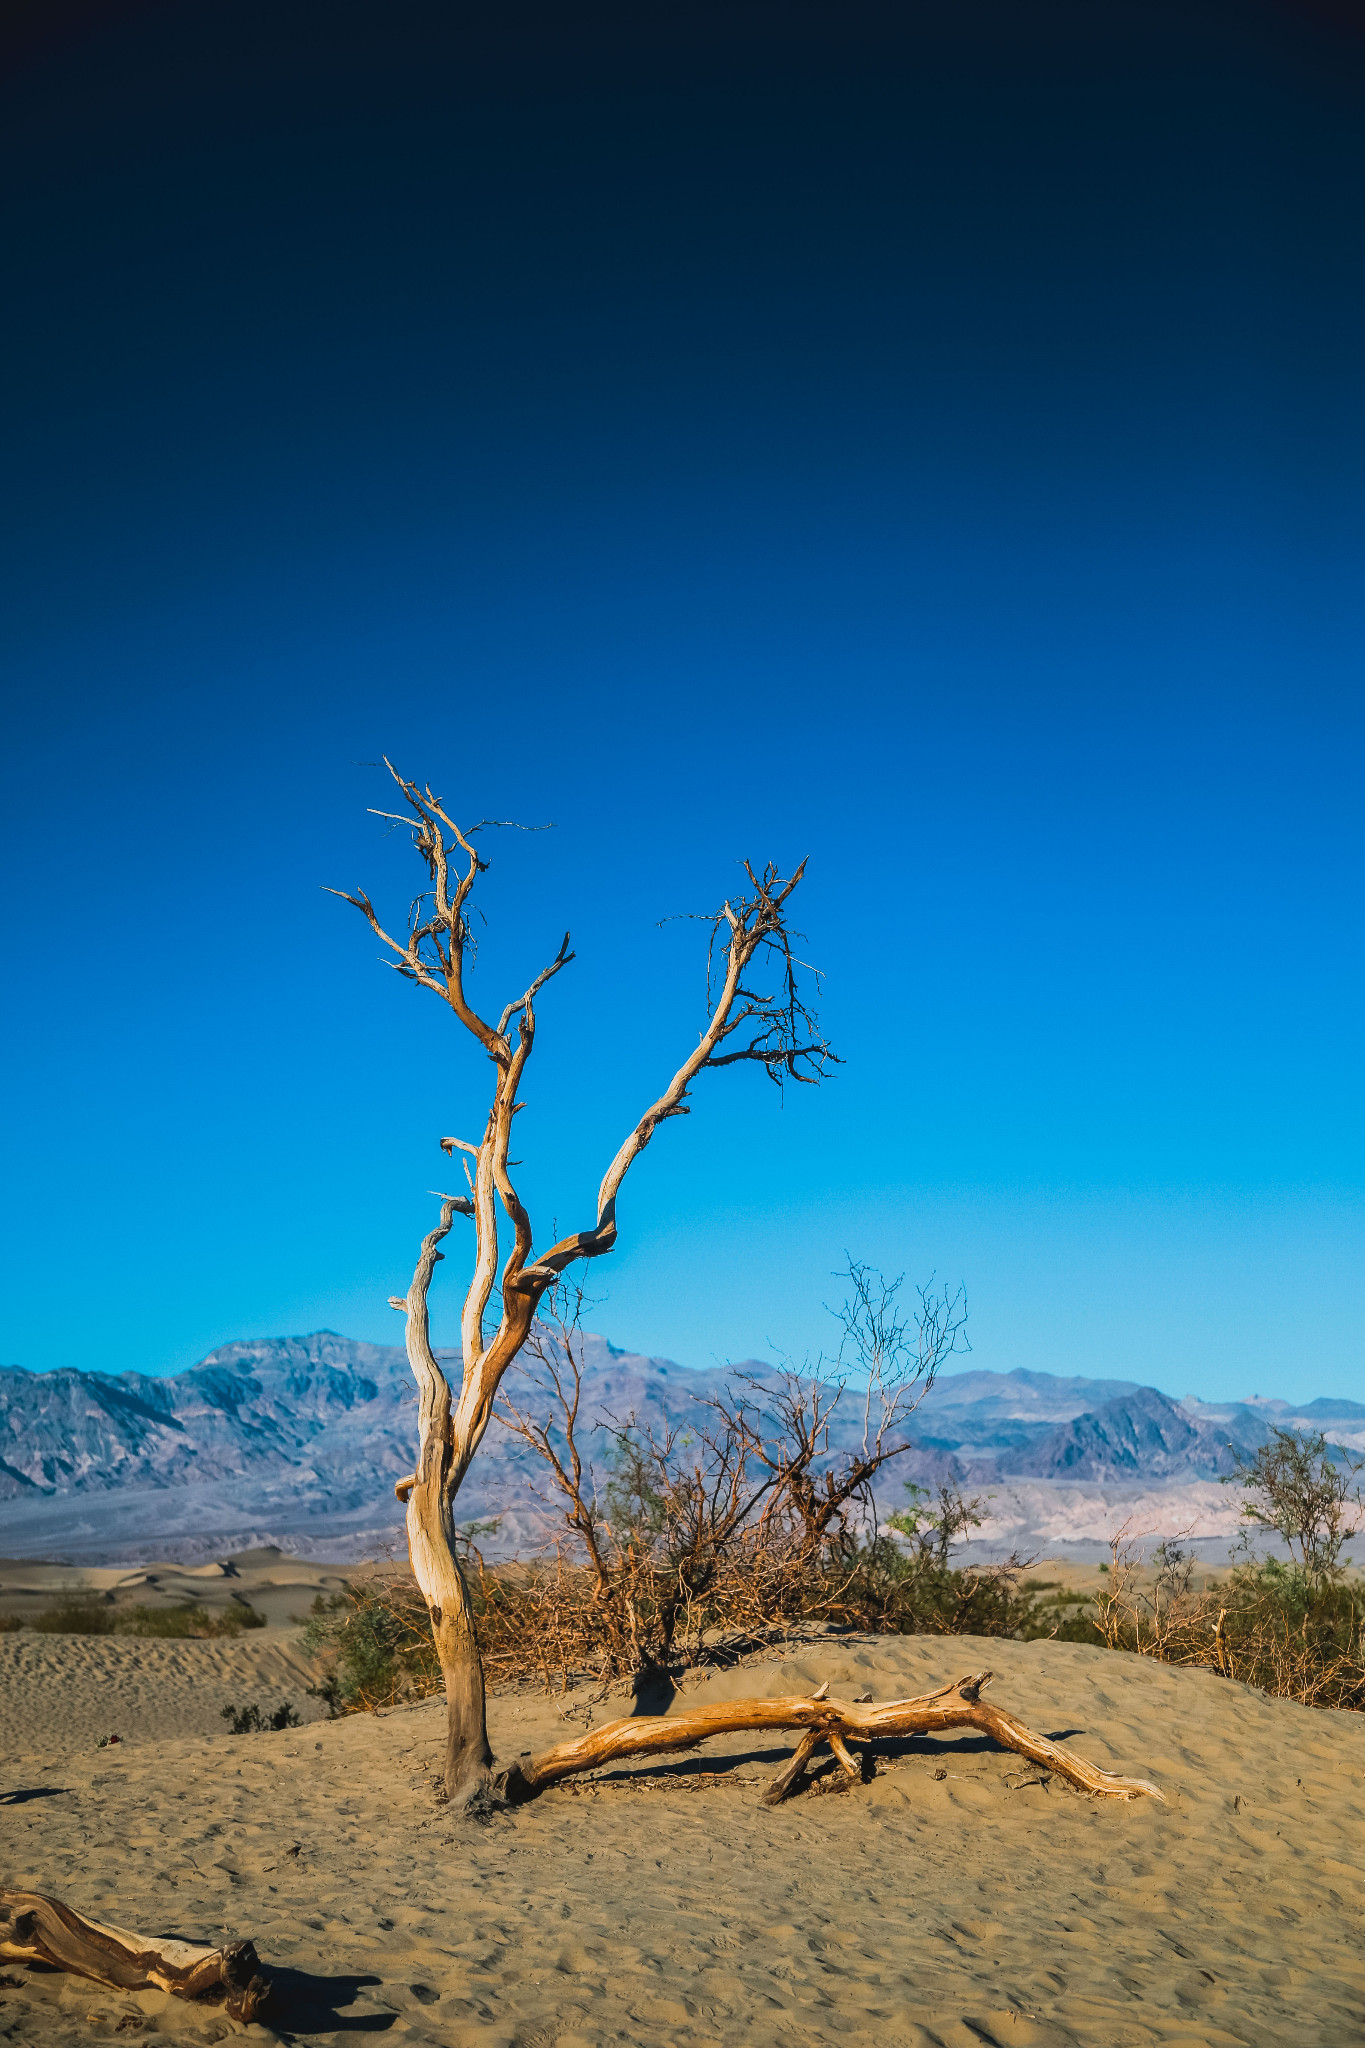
(60, 1694)
(664, 1905)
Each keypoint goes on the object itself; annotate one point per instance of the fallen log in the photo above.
(36, 1929)
(822, 1721)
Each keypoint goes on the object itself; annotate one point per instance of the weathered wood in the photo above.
(777, 1032)
(958, 1705)
(848, 1763)
(36, 1929)
(794, 1770)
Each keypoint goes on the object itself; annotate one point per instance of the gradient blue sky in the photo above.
(926, 438)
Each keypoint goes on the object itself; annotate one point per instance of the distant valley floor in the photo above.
(194, 1524)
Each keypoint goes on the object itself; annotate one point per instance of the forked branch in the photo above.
(779, 1033)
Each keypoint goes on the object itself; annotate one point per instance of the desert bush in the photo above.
(78, 1617)
(250, 1720)
(91, 1617)
(1295, 1489)
(691, 1542)
(734, 1524)
(1292, 1632)
(177, 1622)
(10, 1622)
(374, 1643)
(883, 1589)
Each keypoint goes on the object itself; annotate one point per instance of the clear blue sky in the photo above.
(926, 438)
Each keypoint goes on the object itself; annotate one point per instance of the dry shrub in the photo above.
(86, 1615)
(1276, 1626)
(546, 1622)
(692, 1542)
(1292, 1629)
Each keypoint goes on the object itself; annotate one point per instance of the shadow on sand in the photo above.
(301, 2003)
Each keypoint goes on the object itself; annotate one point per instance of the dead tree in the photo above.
(835, 1722)
(771, 1027)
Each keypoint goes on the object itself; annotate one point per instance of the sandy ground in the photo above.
(956, 1899)
(277, 1586)
(61, 1693)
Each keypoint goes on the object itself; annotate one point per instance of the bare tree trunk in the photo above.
(432, 1544)
(469, 1760)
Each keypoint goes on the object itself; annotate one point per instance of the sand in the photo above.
(957, 1899)
(276, 1585)
(59, 1694)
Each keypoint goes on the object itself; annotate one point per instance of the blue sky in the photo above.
(924, 439)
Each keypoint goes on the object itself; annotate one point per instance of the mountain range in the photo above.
(298, 1441)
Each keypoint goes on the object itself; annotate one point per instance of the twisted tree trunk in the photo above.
(37, 1929)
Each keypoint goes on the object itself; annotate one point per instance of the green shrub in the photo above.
(87, 1616)
(76, 1617)
(880, 1587)
(181, 1622)
(249, 1720)
(374, 1640)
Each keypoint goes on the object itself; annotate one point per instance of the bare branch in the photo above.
(784, 1040)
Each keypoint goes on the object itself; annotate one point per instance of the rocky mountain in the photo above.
(299, 1440)
(1141, 1435)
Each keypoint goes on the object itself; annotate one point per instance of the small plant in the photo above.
(249, 1720)
(375, 1637)
(10, 1622)
(179, 1623)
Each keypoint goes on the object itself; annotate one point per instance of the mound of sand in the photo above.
(959, 1898)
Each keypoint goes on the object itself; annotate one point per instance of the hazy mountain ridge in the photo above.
(299, 1440)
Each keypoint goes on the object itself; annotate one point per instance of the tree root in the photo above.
(836, 1722)
(35, 1929)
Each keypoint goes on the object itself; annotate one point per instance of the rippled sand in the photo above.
(662, 1905)
(60, 1694)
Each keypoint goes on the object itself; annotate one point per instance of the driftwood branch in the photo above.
(35, 1929)
(838, 1722)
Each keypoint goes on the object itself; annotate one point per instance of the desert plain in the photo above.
(959, 1897)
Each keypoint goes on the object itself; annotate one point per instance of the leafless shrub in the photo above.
(1267, 1625)
(688, 1539)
